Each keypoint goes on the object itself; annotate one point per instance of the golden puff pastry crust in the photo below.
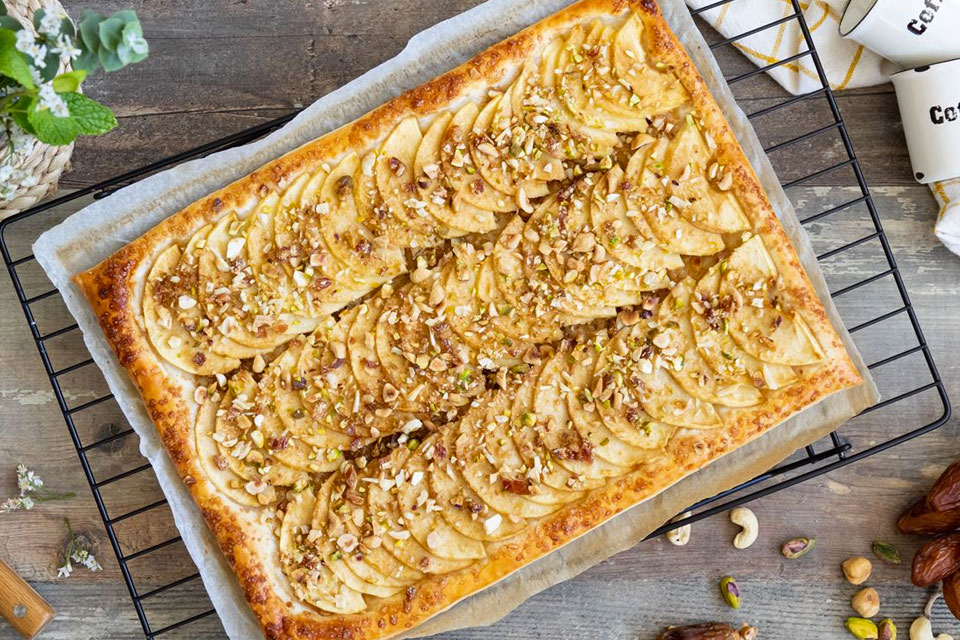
(414, 355)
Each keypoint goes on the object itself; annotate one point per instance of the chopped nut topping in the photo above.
(390, 393)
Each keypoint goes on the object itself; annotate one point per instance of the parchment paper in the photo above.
(94, 233)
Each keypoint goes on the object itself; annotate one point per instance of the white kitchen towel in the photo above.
(847, 64)
(948, 222)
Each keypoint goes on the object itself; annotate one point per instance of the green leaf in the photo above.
(19, 114)
(7, 22)
(111, 30)
(52, 65)
(87, 61)
(37, 17)
(90, 30)
(66, 26)
(125, 53)
(13, 63)
(20, 118)
(69, 82)
(50, 128)
(92, 118)
(128, 16)
(3, 9)
(109, 59)
(132, 32)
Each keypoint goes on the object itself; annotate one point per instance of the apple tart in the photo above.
(412, 356)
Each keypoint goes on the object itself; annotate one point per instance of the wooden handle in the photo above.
(21, 605)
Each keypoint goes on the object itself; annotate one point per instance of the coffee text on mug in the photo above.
(940, 115)
(919, 25)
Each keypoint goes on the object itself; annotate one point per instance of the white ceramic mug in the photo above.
(909, 32)
(929, 99)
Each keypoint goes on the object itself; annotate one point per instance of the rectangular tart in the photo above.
(412, 356)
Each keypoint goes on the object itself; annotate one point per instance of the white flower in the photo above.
(27, 480)
(27, 43)
(64, 570)
(50, 100)
(25, 40)
(65, 48)
(135, 41)
(16, 504)
(86, 558)
(21, 141)
(12, 178)
(76, 550)
(52, 17)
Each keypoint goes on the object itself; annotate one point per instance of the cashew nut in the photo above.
(932, 600)
(921, 629)
(681, 535)
(748, 521)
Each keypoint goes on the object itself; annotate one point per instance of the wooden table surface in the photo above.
(220, 66)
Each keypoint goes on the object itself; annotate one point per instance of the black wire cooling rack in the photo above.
(843, 224)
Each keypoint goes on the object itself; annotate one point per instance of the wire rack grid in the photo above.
(871, 297)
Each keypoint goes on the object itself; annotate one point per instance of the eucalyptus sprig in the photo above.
(48, 105)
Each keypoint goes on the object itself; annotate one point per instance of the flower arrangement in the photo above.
(32, 490)
(40, 98)
(78, 548)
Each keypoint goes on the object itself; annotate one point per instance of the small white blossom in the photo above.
(135, 41)
(65, 48)
(52, 17)
(84, 557)
(25, 40)
(27, 480)
(24, 503)
(76, 550)
(10, 504)
(49, 99)
(30, 484)
(27, 43)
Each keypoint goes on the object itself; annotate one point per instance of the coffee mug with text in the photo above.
(929, 99)
(909, 32)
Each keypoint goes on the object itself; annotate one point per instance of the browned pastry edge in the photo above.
(115, 286)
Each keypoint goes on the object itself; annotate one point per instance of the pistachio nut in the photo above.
(797, 547)
(862, 628)
(886, 630)
(730, 591)
(886, 552)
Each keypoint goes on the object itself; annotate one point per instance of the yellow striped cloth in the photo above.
(847, 64)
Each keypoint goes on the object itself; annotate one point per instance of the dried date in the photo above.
(951, 594)
(708, 631)
(945, 492)
(920, 519)
(936, 560)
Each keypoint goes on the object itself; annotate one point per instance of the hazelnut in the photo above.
(857, 569)
(866, 602)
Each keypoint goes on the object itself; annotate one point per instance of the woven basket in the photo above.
(45, 162)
